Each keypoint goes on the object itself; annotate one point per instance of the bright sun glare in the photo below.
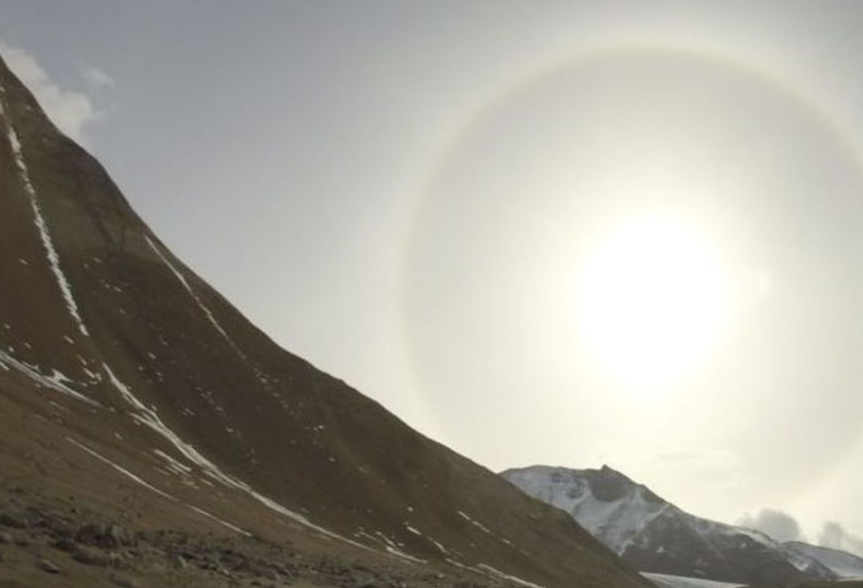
(652, 302)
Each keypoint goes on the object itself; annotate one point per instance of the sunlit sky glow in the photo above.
(549, 232)
(652, 300)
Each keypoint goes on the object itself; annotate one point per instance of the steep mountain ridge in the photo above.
(121, 370)
(655, 536)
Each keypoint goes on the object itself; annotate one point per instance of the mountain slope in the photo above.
(655, 536)
(133, 389)
(841, 563)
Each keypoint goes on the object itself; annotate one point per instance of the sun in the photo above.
(652, 302)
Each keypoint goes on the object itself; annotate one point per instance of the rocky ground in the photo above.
(46, 543)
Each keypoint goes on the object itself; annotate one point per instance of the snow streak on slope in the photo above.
(489, 532)
(503, 576)
(204, 308)
(667, 581)
(56, 381)
(152, 420)
(149, 418)
(152, 488)
(51, 251)
(390, 546)
(121, 469)
(491, 572)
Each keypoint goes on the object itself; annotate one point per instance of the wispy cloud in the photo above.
(778, 524)
(71, 110)
(97, 78)
(835, 536)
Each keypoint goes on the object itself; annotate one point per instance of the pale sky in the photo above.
(446, 204)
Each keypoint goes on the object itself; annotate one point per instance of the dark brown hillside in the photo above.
(132, 391)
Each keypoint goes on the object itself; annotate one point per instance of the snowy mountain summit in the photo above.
(653, 535)
(605, 502)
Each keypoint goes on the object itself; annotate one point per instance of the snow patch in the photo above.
(174, 465)
(149, 417)
(668, 581)
(201, 511)
(207, 312)
(121, 469)
(401, 554)
(389, 546)
(55, 381)
(440, 547)
(487, 531)
(487, 570)
(41, 225)
(152, 488)
(204, 308)
(476, 524)
(505, 576)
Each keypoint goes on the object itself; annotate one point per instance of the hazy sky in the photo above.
(540, 232)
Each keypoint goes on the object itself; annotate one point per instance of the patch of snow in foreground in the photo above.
(41, 225)
(668, 581)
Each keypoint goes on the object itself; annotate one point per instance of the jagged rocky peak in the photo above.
(605, 484)
(608, 485)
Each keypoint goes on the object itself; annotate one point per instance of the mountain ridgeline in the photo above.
(845, 565)
(131, 388)
(655, 536)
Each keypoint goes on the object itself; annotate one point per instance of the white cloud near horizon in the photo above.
(782, 527)
(71, 110)
(834, 536)
(778, 524)
(97, 77)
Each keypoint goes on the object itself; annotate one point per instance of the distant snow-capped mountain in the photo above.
(842, 563)
(655, 536)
